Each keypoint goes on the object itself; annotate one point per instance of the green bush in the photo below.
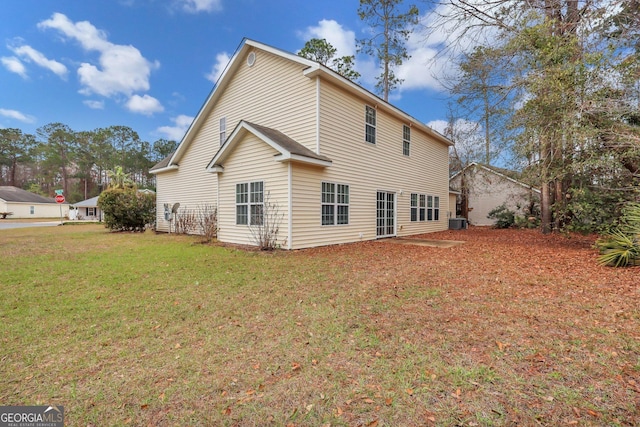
(504, 217)
(527, 221)
(127, 209)
(621, 246)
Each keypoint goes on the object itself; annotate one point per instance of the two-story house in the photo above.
(340, 164)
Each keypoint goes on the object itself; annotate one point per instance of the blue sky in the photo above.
(150, 64)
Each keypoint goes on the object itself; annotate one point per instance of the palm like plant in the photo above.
(621, 247)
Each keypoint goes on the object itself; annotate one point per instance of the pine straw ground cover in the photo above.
(510, 328)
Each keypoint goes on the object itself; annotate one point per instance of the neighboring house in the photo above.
(487, 188)
(340, 164)
(87, 210)
(24, 204)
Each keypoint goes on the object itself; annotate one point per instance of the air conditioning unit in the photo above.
(457, 223)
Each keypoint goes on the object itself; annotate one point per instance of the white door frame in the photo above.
(386, 212)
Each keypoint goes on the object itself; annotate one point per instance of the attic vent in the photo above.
(251, 59)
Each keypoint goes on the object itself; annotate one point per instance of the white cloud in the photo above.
(30, 54)
(14, 65)
(84, 32)
(438, 125)
(94, 105)
(176, 132)
(145, 104)
(345, 43)
(222, 59)
(196, 6)
(342, 39)
(424, 69)
(17, 115)
(434, 49)
(123, 69)
(465, 133)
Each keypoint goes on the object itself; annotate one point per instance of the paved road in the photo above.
(7, 225)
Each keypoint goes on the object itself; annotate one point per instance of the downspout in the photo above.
(218, 204)
(290, 207)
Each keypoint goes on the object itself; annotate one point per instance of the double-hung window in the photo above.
(223, 129)
(249, 203)
(406, 140)
(370, 125)
(414, 207)
(424, 207)
(335, 204)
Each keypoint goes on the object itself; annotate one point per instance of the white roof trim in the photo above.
(322, 71)
(235, 138)
(222, 82)
(164, 169)
(285, 157)
(312, 69)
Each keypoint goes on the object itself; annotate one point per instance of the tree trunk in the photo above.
(559, 203)
(464, 198)
(14, 166)
(545, 208)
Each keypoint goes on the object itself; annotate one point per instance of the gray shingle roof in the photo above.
(15, 194)
(162, 163)
(287, 143)
(89, 203)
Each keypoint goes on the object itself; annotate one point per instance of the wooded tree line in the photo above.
(78, 162)
(555, 84)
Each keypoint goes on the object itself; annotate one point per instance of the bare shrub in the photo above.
(265, 232)
(208, 222)
(185, 221)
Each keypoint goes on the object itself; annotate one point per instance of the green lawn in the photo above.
(160, 330)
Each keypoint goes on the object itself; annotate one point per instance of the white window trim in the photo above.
(426, 206)
(336, 204)
(223, 130)
(406, 141)
(249, 203)
(372, 125)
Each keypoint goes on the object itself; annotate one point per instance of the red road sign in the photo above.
(59, 198)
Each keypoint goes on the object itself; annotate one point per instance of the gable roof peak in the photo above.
(288, 148)
(311, 69)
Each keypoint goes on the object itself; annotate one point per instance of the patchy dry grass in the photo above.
(511, 328)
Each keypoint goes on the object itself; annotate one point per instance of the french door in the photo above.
(386, 214)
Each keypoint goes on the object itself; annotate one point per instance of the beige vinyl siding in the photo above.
(488, 190)
(190, 185)
(274, 93)
(40, 210)
(308, 230)
(252, 160)
(452, 205)
(367, 168)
